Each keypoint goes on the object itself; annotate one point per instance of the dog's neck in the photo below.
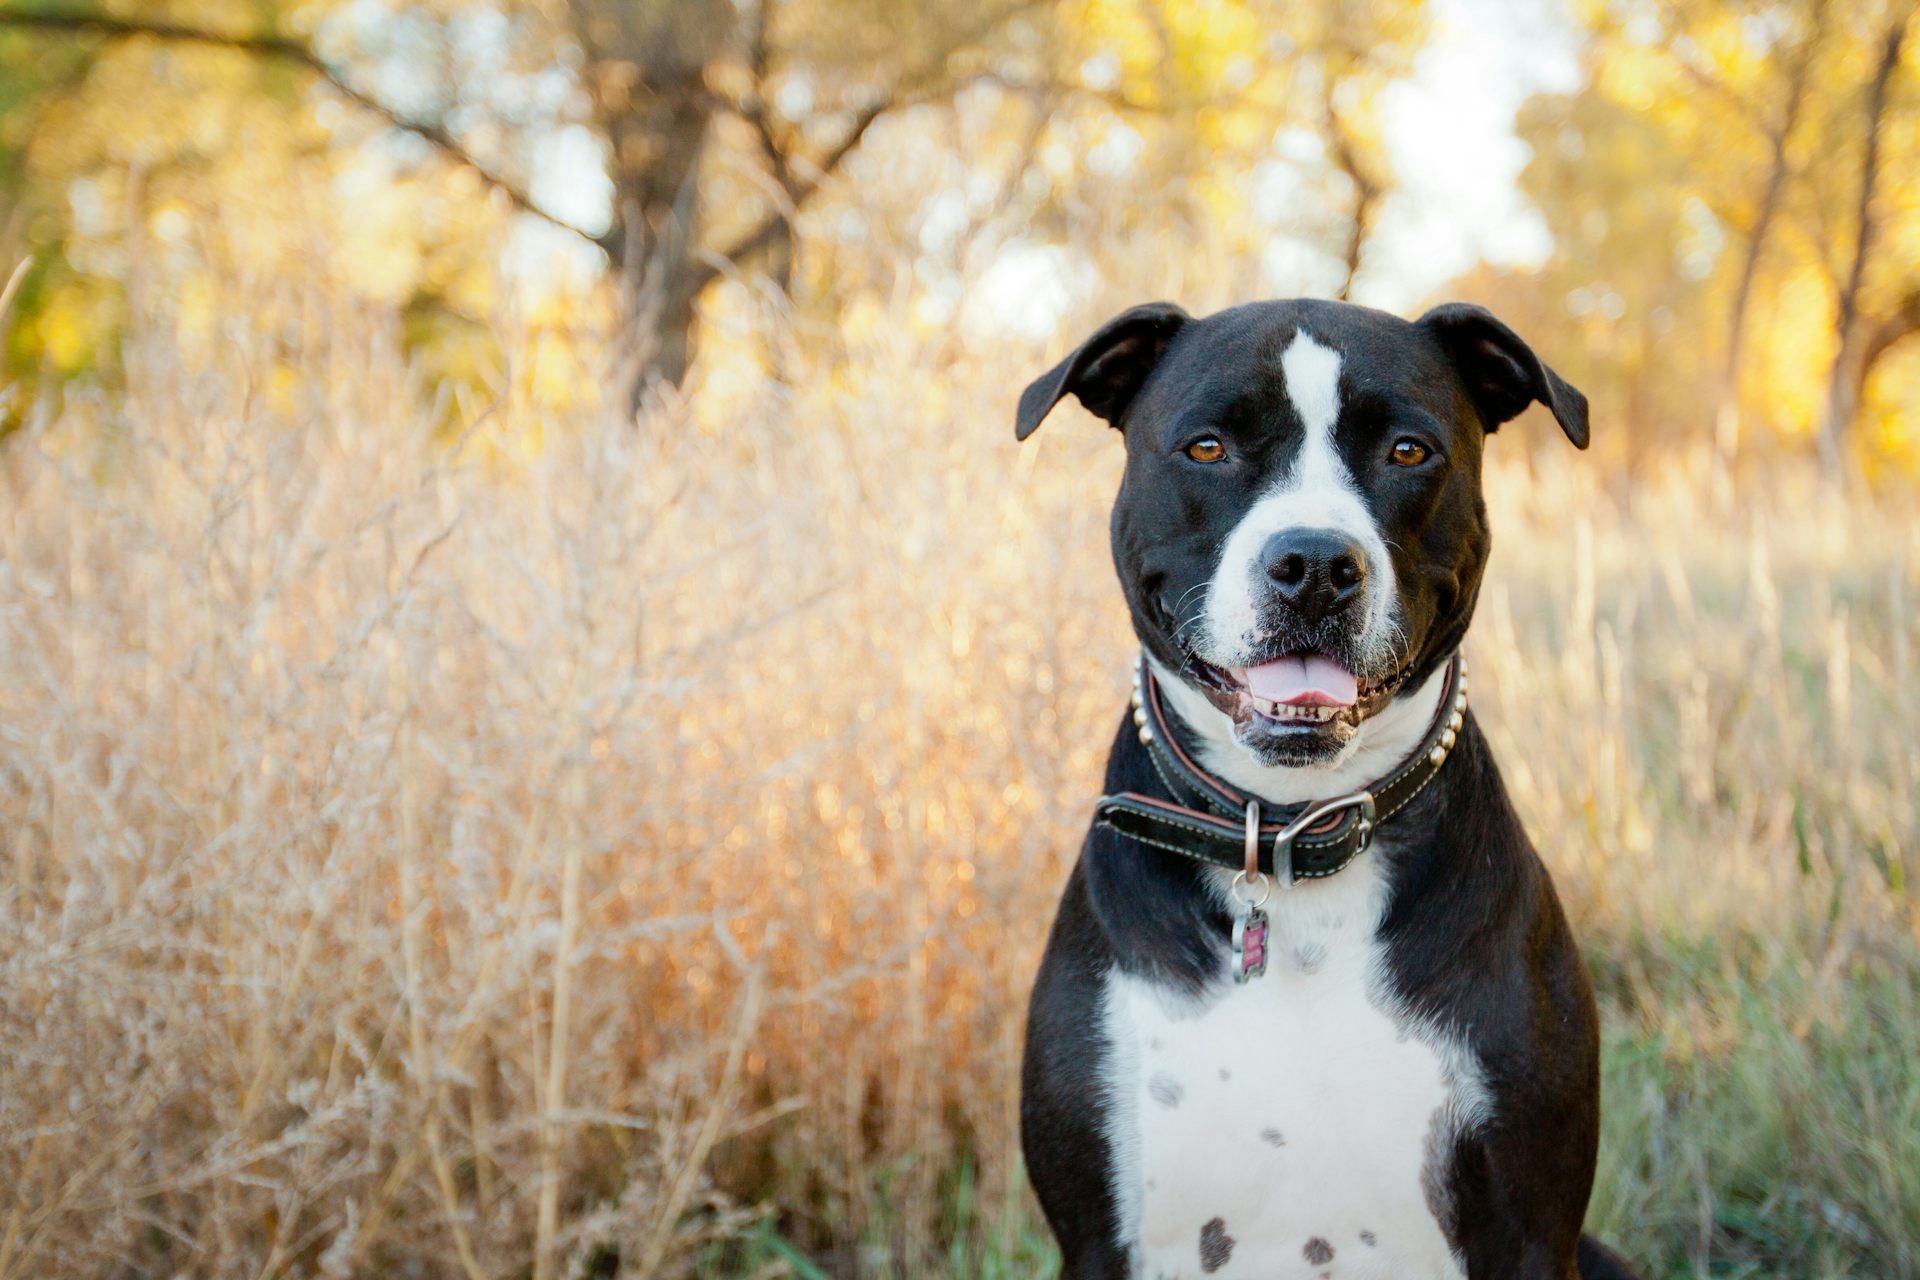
(1379, 746)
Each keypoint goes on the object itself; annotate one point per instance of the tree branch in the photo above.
(1745, 111)
(919, 86)
(1902, 322)
(754, 109)
(1843, 395)
(299, 52)
(800, 190)
(1366, 192)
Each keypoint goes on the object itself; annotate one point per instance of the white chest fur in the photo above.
(1289, 1127)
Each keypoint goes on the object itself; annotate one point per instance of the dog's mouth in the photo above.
(1307, 691)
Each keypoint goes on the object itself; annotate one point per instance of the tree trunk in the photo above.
(1366, 194)
(1849, 364)
(661, 276)
(647, 73)
(1727, 411)
(1874, 341)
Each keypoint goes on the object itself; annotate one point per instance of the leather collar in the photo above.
(1209, 821)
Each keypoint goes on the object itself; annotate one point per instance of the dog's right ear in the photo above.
(1107, 369)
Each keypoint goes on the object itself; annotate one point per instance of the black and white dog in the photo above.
(1310, 1007)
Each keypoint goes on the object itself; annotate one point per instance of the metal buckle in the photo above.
(1283, 842)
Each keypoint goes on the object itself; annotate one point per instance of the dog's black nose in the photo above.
(1317, 571)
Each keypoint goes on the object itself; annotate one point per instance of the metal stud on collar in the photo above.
(1455, 719)
(1140, 724)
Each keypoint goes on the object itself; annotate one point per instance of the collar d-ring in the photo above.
(1252, 876)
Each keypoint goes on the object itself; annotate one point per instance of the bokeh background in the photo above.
(543, 714)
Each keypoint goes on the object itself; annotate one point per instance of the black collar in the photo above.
(1209, 821)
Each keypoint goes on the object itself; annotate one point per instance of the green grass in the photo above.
(1014, 1246)
(1760, 1120)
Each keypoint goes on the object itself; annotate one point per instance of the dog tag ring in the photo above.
(1249, 921)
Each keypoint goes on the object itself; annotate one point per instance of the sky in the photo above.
(1450, 133)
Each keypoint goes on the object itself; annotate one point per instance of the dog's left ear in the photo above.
(1501, 372)
(1107, 369)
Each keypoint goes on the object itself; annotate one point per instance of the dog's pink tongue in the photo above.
(1309, 680)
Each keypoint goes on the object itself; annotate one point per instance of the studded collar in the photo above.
(1209, 821)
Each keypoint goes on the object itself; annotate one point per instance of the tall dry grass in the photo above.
(587, 849)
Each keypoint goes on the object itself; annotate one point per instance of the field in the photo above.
(571, 849)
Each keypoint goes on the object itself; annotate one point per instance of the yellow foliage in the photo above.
(1892, 418)
(76, 321)
(1792, 352)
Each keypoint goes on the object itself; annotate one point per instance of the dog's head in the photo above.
(1299, 531)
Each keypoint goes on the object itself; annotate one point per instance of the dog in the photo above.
(1309, 1007)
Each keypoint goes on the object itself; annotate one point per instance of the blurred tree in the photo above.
(1634, 243)
(809, 79)
(1726, 165)
(720, 122)
(1765, 94)
(1857, 353)
(1236, 79)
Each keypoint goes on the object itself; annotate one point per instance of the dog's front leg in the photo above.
(1520, 1201)
(1063, 1096)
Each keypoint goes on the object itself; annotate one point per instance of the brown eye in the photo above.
(1206, 449)
(1409, 453)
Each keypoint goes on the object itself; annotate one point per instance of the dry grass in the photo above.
(630, 855)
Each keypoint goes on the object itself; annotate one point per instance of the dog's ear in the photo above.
(1107, 369)
(1501, 372)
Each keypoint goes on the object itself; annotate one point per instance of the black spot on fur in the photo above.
(1318, 1252)
(1273, 1137)
(1216, 1246)
(1164, 1089)
(1225, 1074)
(1369, 1239)
(1310, 957)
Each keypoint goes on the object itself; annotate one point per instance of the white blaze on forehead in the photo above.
(1313, 385)
(1317, 492)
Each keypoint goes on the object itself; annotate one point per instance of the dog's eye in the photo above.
(1206, 449)
(1409, 452)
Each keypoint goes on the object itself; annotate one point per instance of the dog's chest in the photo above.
(1295, 1126)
